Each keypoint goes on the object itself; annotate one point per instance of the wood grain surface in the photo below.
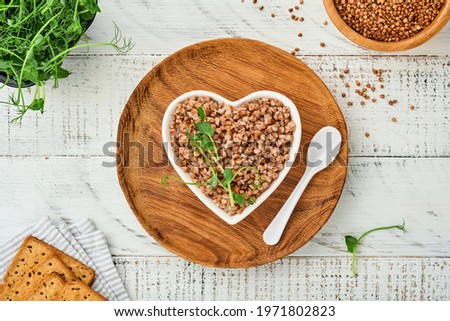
(174, 217)
(418, 39)
(378, 191)
(302, 279)
(83, 113)
(161, 27)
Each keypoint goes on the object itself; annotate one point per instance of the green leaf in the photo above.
(3, 65)
(213, 183)
(31, 75)
(251, 200)
(351, 243)
(207, 144)
(39, 39)
(87, 16)
(30, 71)
(91, 5)
(60, 72)
(205, 128)
(228, 175)
(201, 113)
(239, 199)
(37, 105)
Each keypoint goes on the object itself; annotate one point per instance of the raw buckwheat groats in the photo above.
(256, 134)
(388, 20)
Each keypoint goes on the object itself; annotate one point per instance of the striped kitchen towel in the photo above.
(100, 284)
(83, 242)
(94, 243)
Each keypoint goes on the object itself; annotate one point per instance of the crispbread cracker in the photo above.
(54, 288)
(48, 290)
(34, 251)
(21, 289)
(78, 291)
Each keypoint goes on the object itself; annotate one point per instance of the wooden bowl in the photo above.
(409, 43)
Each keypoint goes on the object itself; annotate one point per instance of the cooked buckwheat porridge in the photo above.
(257, 134)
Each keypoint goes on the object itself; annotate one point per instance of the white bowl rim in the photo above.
(294, 148)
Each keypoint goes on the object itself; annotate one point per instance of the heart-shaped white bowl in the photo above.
(232, 219)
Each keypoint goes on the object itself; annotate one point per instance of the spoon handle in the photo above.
(276, 228)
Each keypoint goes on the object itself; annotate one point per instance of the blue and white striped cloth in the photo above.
(82, 241)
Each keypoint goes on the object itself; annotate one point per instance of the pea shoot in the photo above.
(353, 242)
(202, 141)
(36, 37)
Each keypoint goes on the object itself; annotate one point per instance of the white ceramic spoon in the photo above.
(322, 151)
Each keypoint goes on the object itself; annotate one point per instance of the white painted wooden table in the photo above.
(51, 165)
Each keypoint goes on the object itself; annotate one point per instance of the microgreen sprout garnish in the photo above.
(353, 242)
(36, 37)
(202, 141)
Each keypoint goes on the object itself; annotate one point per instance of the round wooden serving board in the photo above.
(175, 217)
